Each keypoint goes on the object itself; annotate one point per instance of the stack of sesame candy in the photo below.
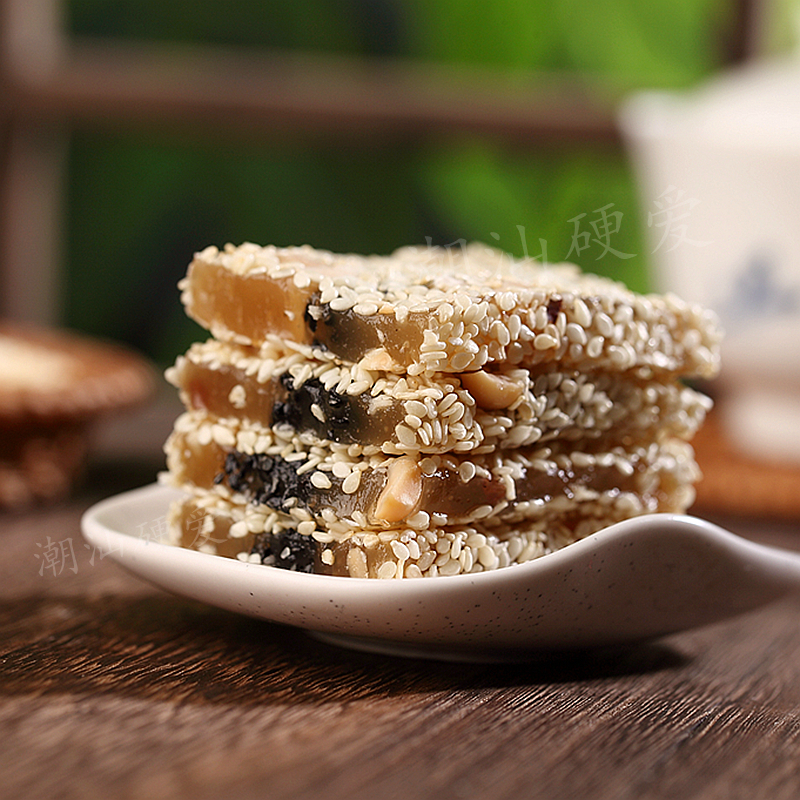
(434, 412)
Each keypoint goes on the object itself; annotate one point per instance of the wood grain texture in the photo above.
(111, 688)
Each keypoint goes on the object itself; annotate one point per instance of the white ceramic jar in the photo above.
(719, 177)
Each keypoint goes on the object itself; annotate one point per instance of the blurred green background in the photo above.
(139, 205)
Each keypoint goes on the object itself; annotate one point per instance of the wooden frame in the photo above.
(49, 84)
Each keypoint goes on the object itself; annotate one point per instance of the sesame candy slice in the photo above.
(207, 524)
(403, 306)
(502, 486)
(468, 412)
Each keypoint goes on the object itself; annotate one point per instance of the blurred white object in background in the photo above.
(719, 180)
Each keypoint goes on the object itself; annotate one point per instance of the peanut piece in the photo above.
(491, 392)
(402, 491)
(379, 359)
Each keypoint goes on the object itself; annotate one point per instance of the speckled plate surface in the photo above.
(636, 580)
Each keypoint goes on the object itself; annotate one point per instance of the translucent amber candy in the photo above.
(427, 313)
(250, 307)
(506, 485)
(230, 389)
(399, 414)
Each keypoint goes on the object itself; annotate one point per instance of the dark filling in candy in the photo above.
(295, 409)
(338, 417)
(553, 307)
(267, 480)
(333, 331)
(286, 550)
(315, 312)
(350, 336)
(274, 482)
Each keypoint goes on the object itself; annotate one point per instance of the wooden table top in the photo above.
(111, 688)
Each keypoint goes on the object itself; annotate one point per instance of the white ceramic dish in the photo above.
(634, 581)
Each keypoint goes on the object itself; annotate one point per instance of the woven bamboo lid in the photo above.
(735, 483)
